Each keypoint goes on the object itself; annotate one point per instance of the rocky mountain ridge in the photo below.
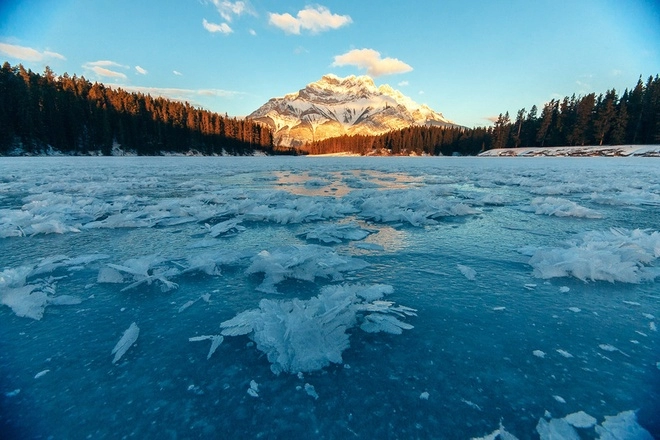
(334, 106)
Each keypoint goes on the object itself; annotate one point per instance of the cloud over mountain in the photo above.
(371, 60)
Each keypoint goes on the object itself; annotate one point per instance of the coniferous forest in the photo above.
(74, 116)
(609, 119)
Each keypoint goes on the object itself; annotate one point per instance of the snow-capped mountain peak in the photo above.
(334, 106)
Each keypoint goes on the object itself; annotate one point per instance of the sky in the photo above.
(468, 59)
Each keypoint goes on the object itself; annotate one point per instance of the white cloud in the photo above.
(27, 53)
(100, 68)
(252, 32)
(229, 9)
(140, 70)
(223, 28)
(313, 19)
(177, 73)
(403, 83)
(176, 94)
(370, 60)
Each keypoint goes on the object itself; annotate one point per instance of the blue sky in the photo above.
(468, 59)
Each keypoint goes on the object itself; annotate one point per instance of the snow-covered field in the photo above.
(329, 297)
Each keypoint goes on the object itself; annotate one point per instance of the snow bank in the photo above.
(307, 335)
(304, 262)
(616, 255)
(617, 150)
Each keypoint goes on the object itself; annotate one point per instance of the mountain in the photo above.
(336, 106)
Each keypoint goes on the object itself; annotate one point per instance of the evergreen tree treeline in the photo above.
(633, 118)
(74, 116)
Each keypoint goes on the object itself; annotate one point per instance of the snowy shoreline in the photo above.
(583, 151)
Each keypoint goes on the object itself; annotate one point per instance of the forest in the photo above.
(71, 115)
(604, 119)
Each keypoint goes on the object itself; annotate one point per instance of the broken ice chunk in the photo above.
(128, 338)
(575, 309)
(500, 433)
(305, 262)
(333, 233)
(307, 335)
(30, 300)
(564, 353)
(309, 389)
(556, 429)
(559, 399)
(622, 426)
(580, 419)
(424, 395)
(375, 322)
(254, 389)
(216, 340)
(186, 305)
(231, 226)
(539, 353)
(40, 374)
(564, 289)
(617, 255)
(467, 272)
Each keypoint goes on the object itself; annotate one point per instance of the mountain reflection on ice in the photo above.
(329, 298)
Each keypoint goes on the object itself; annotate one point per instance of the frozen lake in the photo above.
(331, 298)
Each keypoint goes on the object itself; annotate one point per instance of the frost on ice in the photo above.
(306, 262)
(617, 255)
(308, 335)
(128, 338)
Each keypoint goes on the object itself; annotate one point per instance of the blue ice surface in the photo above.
(532, 286)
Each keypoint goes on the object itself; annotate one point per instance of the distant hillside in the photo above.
(40, 113)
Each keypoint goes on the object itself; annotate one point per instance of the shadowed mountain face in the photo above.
(336, 106)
